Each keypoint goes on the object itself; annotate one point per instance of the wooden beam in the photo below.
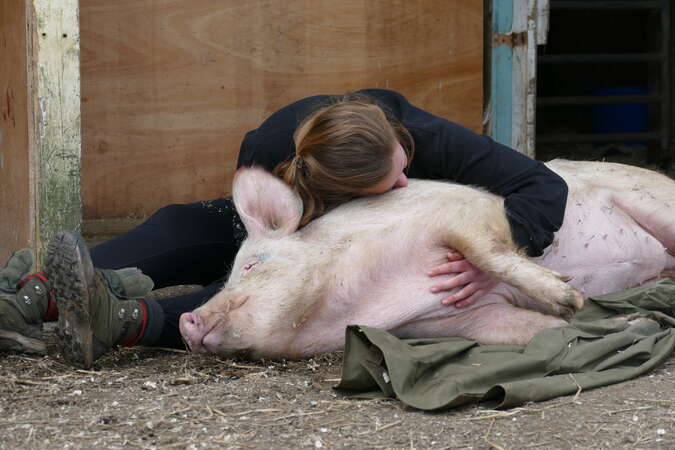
(54, 99)
(525, 21)
(16, 213)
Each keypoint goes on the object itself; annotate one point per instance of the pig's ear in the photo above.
(266, 205)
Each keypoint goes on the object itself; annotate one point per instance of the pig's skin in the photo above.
(291, 293)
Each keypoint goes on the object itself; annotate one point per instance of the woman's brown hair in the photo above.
(341, 149)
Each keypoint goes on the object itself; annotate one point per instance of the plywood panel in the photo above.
(15, 205)
(169, 87)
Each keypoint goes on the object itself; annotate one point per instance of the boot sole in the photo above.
(65, 267)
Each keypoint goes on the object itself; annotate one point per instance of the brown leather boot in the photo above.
(25, 302)
(98, 309)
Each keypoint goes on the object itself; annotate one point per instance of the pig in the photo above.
(292, 292)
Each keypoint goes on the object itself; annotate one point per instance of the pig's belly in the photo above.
(599, 246)
(603, 249)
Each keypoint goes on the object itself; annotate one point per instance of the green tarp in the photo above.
(594, 350)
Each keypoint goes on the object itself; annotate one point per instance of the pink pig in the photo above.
(292, 292)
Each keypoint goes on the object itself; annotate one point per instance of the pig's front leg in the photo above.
(481, 232)
(542, 285)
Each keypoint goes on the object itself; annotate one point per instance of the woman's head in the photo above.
(346, 149)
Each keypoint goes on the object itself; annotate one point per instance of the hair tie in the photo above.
(301, 165)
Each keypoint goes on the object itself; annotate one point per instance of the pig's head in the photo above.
(266, 295)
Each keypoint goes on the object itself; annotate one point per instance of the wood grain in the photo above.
(15, 205)
(55, 133)
(169, 87)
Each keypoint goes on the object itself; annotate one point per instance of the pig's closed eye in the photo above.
(247, 267)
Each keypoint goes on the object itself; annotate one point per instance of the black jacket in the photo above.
(535, 196)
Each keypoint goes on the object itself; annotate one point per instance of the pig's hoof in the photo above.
(577, 300)
(572, 299)
(571, 302)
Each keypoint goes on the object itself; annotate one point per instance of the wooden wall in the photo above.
(169, 87)
(15, 205)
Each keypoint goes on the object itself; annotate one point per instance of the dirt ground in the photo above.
(158, 399)
(161, 399)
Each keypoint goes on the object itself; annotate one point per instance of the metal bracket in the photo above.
(517, 39)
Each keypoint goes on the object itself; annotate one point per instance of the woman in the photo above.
(330, 149)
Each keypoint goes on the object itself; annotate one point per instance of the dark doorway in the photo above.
(603, 82)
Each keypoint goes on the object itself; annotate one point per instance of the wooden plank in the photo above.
(543, 15)
(108, 227)
(524, 76)
(16, 209)
(170, 87)
(98, 231)
(54, 134)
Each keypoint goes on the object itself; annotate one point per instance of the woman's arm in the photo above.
(534, 196)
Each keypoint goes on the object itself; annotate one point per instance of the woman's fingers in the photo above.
(462, 295)
(469, 282)
(450, 267)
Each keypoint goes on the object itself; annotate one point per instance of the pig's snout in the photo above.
(194, 329)
(208, 329)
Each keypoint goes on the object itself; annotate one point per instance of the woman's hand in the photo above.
(472, 282)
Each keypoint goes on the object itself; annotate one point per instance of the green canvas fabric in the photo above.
(594, 350)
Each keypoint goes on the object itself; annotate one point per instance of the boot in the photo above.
(25, 302)
(98, 309)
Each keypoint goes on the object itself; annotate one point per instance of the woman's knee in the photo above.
(174, 213)
(214, 211)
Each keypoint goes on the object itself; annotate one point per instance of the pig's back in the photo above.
(411, 207)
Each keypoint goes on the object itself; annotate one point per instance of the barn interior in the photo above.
(604, 81)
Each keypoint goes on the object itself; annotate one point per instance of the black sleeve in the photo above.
(272, 142)
(535, 196)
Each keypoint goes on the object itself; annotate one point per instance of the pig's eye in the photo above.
(247, 267)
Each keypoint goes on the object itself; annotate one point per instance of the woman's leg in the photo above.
(192, 243)
(180, 244)
(173, 308)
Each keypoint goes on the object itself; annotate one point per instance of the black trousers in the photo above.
(191, 243)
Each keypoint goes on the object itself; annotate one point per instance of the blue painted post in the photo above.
(502, 75)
